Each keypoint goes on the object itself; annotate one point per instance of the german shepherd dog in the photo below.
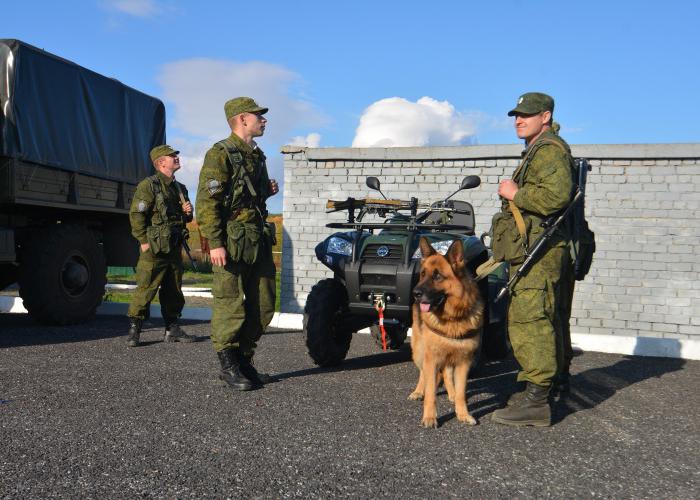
(447, 319)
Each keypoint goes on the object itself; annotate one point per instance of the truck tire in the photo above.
(62, 275)
(326, 339)
(395, 335)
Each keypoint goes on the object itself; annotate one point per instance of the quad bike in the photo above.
(376, 266)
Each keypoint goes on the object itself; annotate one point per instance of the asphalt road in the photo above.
(83, 416)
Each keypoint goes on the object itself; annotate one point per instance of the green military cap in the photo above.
(162, 150)
(532, 103)
(240, 105)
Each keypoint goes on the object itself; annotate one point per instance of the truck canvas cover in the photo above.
(56, 113)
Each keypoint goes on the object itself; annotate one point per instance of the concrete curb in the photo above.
(632, 346)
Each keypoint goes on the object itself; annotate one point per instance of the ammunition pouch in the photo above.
(163, 238)
(243, 241)
(506, 242)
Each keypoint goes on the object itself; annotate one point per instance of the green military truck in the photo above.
(73, 146)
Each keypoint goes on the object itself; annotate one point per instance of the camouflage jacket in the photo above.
(147, 211)
(545, 181)
(223, 194)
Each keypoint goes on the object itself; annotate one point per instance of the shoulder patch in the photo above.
(142, 206)
(214, 186)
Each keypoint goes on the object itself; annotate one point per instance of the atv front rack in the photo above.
(410, 226)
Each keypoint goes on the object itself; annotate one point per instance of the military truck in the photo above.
(73, 146)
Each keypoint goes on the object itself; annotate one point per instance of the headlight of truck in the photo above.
(440, 247)
(339, 246)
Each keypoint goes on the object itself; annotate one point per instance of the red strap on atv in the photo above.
(380, 309)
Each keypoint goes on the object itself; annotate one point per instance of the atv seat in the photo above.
(463, 215)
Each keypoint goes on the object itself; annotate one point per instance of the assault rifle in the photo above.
(537, 248)
(185, 232)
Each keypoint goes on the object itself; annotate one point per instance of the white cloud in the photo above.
(137, 8)
(198, 89)
(313, 140)
(395, 122)
(195, 91)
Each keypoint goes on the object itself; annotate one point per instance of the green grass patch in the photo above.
(204, 280)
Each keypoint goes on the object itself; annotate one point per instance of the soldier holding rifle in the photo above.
(540, 305)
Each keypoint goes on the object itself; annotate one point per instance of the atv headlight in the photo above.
(339, 246)
(440, 247)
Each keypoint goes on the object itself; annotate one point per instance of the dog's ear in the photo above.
(426, 249)
(455, 254)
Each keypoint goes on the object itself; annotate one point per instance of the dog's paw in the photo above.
(415, 396)
(467, 419)
(429, 422)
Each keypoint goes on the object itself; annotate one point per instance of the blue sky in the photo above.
(338, 73)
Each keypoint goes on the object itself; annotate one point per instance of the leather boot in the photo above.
(231, 371)
(173, 333)
(134, 334)
(249, 371)
(518, 396)
(532, 410)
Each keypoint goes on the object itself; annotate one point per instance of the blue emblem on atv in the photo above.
(383, 251)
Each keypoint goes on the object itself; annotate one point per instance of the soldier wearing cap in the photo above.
(157, 221)
(540, 304)
(231, 207)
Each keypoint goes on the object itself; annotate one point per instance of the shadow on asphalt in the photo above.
(402, 355)
(592, 387)
(496, 380)
(20, 330)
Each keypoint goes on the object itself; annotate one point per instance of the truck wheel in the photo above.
(328, 342)
(62, 275)
(395, 335)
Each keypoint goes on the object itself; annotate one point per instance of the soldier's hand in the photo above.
(187, 208)
(218, 256)
(507, 189)
(145, 247)
(274, 188)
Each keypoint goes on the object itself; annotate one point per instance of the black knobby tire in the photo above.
(62, 275)
(326, 339)
(395, 335)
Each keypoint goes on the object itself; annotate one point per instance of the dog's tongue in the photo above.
(424, 307)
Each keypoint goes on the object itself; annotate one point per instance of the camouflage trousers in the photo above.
(161, 274)
(244, 302)
(538, 317)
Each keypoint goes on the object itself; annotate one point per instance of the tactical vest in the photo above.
(511, 228)
(245, 238)
(166, 230)
(243, 191)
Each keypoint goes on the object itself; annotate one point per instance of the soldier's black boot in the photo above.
(533, 409)
(173, 333)
(249, 370)
(134, 334)
(231, 371)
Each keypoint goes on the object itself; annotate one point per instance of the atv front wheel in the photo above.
(327, 337)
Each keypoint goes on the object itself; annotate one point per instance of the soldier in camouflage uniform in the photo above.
(157, 221)
(540, 301)
(231, 212)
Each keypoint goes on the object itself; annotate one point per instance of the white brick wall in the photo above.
(643, 203)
